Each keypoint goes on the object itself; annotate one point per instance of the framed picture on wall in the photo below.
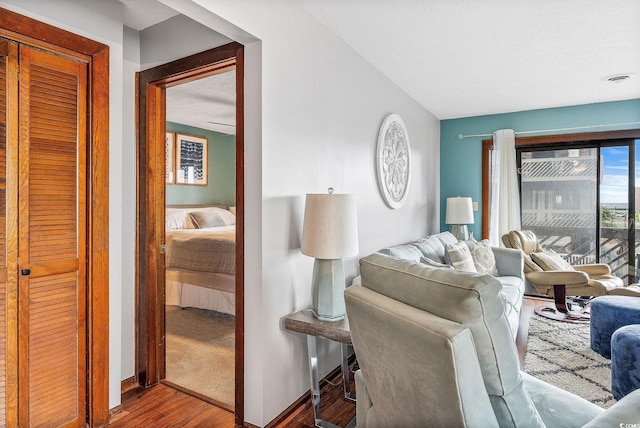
(170, 159)
(191, 160)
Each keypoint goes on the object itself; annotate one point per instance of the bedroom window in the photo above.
(581, 200)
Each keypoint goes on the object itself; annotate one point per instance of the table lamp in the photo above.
(329, 233)
(459, 213)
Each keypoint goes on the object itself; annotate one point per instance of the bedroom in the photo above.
(200, 238)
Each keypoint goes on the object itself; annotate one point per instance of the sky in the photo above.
(614, 185)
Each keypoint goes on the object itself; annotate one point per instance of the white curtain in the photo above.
(504, 207)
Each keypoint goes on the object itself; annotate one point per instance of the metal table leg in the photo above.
(344, 350)
(315, 382)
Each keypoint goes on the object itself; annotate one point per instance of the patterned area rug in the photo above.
(559, 353)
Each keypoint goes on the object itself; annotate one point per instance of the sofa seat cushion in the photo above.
(557, 407)
(512, 293)
(511, 286)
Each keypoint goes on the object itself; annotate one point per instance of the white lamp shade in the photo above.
(330, 229)
(459, 211)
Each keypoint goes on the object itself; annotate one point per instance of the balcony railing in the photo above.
(559, 169)
(572, 246)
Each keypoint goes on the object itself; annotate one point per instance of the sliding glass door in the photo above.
(577, 200)
(617, 247)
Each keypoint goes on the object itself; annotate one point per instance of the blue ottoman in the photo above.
(625, 360)
(609, 313)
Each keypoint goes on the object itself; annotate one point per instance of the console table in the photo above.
(338, 331)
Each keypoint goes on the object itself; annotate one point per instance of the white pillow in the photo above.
(177, 218)
(482, 255)
(459, 256)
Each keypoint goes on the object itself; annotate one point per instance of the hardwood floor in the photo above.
(161, 406)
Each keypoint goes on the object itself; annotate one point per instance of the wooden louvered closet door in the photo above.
(47, 190)
(8, 235)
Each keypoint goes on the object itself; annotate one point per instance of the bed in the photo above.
(200, 257)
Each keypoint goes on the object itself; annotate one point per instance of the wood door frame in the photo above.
(487, 145)
(29, 31)
(150, 268)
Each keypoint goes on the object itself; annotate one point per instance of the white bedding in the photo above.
(202, 250)
(188, 295)
(200, 263)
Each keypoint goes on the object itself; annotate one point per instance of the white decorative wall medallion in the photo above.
(394, 161)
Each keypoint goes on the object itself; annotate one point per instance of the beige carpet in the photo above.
(559, 353)
(200, 352)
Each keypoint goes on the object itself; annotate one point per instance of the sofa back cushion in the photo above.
(431, 247)
(405, 252)
(469, 299)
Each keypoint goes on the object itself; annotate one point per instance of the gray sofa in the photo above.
(435, 349)
(509, 265)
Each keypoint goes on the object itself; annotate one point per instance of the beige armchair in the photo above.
(552, 276)
(435, 350)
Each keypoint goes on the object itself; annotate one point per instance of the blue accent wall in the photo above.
(461, 160)
(221, 188)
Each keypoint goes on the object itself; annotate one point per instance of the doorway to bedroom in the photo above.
(200, 176)
(190, 195)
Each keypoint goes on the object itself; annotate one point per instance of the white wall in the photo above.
(321, 106)
(176, 38)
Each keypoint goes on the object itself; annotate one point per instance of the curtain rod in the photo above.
(461, 136)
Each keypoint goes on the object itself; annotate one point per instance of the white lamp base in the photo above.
(460, 231)
(327, 289)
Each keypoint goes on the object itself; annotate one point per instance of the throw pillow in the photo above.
(459, 256)
(431, 263)
(550, 260)
(483, 258)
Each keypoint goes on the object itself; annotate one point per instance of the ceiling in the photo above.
(140, 14)
(461, 58)
(208, 103)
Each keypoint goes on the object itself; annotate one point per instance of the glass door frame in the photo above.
(550, 140)
(630, 144)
